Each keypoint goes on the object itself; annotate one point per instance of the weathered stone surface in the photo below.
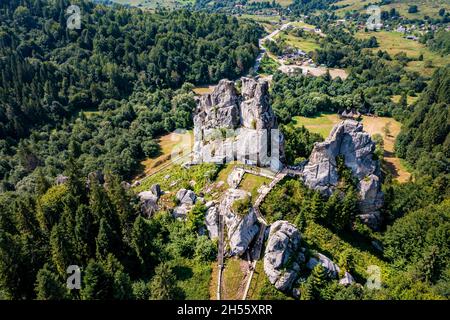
(212, 221)
(60, 179)
(149, 203)
(181, 211)
(232, 126)
(186, 196)
(347, 279)
(156, 190)
(331, 268)
(240, 229)
(283, 256)
(348, 139)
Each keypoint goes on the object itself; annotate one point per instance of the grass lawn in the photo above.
(306, 44)
(321, 124)
(153, 4)
(178, 177)
(251, 183)
(393, 43)
(283, 3)
(201, 90)
(261, 288)
(410, 100)
(233, 283)
(169, 143)
(324, 123)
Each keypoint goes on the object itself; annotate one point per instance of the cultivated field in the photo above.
(426, 7)
(373, 125)
(393, 43)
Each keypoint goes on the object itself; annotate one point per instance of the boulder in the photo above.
(348, 139)
(240, 229)
(60, 179)
(149, 203)
(186, 196)
(283, 256)
(212, 222)
(331, 268)
(180, 212)
(156, 190)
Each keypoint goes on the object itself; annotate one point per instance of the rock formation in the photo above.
(348, 139)
(331, 268)
(149, 200)
(283, 255)
(240, 230)
(231, 126)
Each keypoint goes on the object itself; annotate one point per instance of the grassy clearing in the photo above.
(410, 100)
(170, 143)
(306, 44)
(233, 279)
(261, 18)
(324, 123)
(321, 124)
(153, 4)
(251, 183)
(393, 43)
(193, 278)
(176, 177)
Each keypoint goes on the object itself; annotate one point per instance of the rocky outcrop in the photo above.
(331, 268)
(347, 279)
(231, 126)
(149, 203)
(348, 139)
(283, 256)
(186, 196)
(240, 229)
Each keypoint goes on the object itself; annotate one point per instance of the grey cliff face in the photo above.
(348, 139)
(240, 229)
(282, 258)
(232, 126)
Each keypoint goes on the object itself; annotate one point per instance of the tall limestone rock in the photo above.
(348, 139)
(231, 126)
(283, 256)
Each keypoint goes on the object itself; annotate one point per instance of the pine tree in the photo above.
(142, 243)
(61, 249)
(49, 286)
(163, 284)
(104, 241)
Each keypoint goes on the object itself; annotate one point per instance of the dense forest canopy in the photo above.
(50, 71)
(90, 104)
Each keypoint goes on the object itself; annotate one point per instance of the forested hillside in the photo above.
(425, 139)
(49, 71)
